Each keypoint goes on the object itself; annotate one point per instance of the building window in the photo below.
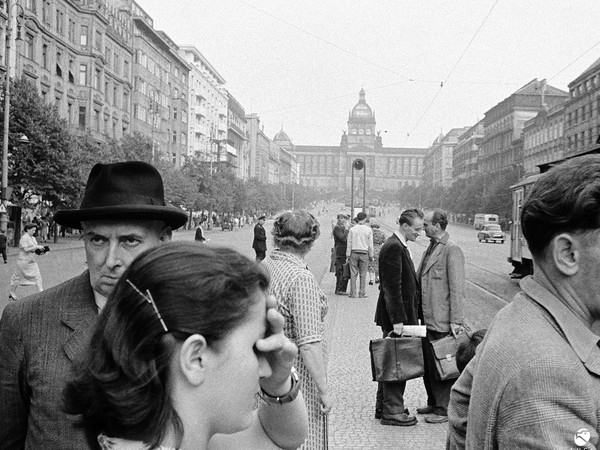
(115, 96)
(126, 69)
(97, 79)
(174, 136)
(116, 63)
(107, 55)
(82, 116)
(28, 47)
(175, 113)
(70, 112)
(46, 13)
(82, 74)
(59, 64)
(71, 30)
(60, 18)
(71, 74)
(126, 101)
(98, 41)
(106, 92)
(30, 5)
(83, 35)
(45, 56)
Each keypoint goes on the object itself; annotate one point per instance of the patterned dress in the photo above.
(304, 306)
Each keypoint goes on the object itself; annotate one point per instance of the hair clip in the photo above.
(149, 299)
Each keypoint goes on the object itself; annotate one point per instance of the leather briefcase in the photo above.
(444, 351)
(396, 359)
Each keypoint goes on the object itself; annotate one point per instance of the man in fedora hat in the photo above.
(123, 213)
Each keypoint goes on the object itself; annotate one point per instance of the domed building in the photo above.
(330, 167)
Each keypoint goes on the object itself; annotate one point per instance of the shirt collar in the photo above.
(580, 337)
(100, 301)
(280, 255)
(402, 238)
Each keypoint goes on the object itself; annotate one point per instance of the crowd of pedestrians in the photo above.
(164, 345)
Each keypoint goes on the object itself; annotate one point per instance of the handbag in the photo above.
(396, 359)
(444, 353)
(346, 271)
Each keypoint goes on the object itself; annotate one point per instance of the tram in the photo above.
(520, 256)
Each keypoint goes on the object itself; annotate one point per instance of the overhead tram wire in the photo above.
(332, 44)
(574, 61)
(452, 70)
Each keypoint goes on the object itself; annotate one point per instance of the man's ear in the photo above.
(192, 359)
(166, 234)
(565, 251)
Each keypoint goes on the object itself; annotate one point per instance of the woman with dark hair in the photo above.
(304, 307)
(27, 272)
(184, 343)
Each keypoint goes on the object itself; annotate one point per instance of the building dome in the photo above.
(282, 137)
(361, 109)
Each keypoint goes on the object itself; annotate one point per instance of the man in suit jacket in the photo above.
(442, 277)
(260, 240)
(536, 376)
(123, 213)
(340, 239)
(398, 305)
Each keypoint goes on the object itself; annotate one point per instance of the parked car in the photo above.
(491, 233)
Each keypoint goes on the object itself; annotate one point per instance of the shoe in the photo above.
(436, 418)
(352, 296)
(425, 410)
(363, 296)
(12, 297)
(371, 282)
(377, 280)
(340, 293)
(377, 414)
(399, 420)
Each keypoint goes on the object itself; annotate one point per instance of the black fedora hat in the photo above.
(130, 190)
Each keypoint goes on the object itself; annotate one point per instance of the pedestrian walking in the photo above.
(259, 244)
(3, 241)
(378, 240)
(44, 224)
(442, 278)
(304, 306)
(340, 238)
(187, 386)
(536, 376)
(199, 235)
(27, 272)
(123, 213)
(359, 251)
(398, 305)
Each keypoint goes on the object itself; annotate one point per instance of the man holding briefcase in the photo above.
(442, 279)
(398, 305)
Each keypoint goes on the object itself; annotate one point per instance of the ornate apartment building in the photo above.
(465, 157)
(79, 55)
(330, 167)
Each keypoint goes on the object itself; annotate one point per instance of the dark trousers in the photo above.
(3, 253)
(260, 255)
(341, 284)
(438, 392)
(390, 396)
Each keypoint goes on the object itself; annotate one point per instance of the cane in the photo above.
(325, 433)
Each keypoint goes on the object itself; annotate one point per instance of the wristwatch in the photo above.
(286, 398)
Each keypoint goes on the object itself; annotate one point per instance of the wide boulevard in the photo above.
(349, 321)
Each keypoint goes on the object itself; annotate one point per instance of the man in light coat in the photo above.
(360, 251)
(442, 277)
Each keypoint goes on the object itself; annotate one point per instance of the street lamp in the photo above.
(358, 164)
(4, 187)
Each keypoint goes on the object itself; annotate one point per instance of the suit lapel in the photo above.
(434, 257)
(406, 255)
(79, 314)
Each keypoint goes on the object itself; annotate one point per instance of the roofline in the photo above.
(196, 52)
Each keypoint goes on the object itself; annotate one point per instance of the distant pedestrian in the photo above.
(199, 236)
(3, 240)
(27, 272)
(44, 229)
(442, 278)
(359, 251)
(379, 238)
(260, 239)
(398, 305)
(340, 238)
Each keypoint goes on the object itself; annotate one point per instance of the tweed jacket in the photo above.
(40, 337)
(536, 380)
(260, 238)
(443, 286)
(398, 286)
(340, 239)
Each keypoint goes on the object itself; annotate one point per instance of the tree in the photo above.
(44, 166)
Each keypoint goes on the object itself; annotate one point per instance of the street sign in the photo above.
(2, 208)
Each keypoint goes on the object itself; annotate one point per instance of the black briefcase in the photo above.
(396, 358)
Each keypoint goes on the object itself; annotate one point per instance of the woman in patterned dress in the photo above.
(304, 307)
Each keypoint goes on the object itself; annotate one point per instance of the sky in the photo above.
(427, 66)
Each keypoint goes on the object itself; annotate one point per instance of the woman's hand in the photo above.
(326, 403)
(279, 351)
